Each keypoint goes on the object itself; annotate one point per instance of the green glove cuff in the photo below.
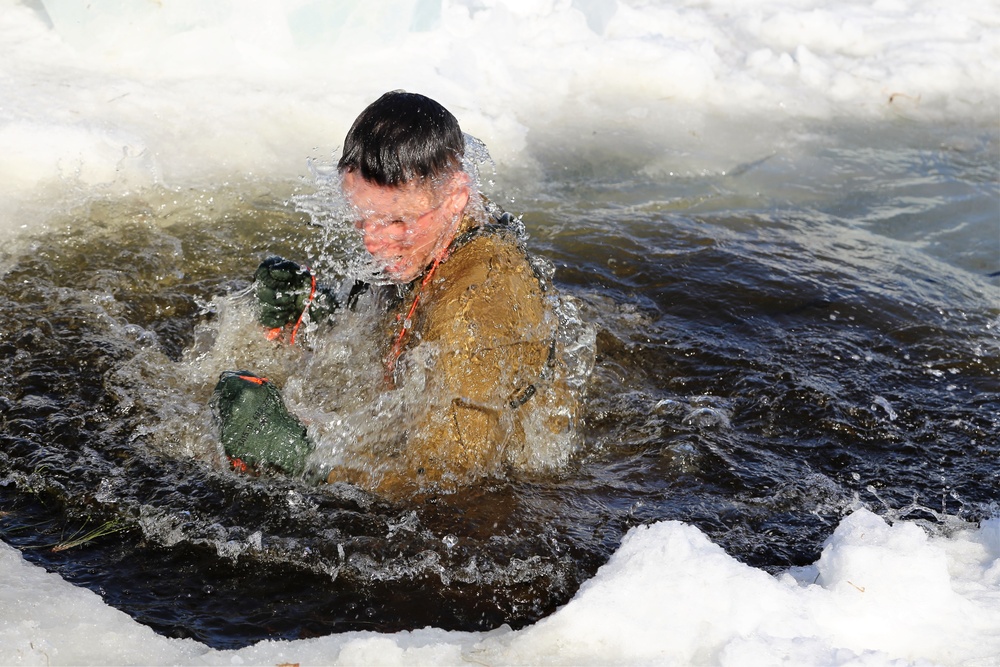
(256, 427)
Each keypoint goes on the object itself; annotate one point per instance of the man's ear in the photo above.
(459, 190)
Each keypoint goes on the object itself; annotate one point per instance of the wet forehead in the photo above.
(370, 199)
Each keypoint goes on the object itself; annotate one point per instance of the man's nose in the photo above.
(372, 236)
(366, 226)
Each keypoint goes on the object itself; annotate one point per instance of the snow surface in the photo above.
(878, 595)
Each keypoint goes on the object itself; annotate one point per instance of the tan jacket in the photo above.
(490, 333)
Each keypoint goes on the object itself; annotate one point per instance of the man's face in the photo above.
(405, 227)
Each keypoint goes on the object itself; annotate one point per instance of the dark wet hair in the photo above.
(401, 137)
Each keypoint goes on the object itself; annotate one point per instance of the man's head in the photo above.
(402, 172)
(402, 137)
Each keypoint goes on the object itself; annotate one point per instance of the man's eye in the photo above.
(379, 223)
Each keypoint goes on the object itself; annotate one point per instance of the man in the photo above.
(463, 293)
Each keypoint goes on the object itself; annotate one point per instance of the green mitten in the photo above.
(257, 428)
(283, 289)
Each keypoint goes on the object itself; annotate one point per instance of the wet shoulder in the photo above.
(488, 281)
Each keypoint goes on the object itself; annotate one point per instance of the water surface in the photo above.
(776, 344)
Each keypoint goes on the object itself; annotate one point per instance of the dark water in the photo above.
(810, 332)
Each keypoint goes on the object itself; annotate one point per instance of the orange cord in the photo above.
(397, 347)
(312, 295)
(276, 332)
